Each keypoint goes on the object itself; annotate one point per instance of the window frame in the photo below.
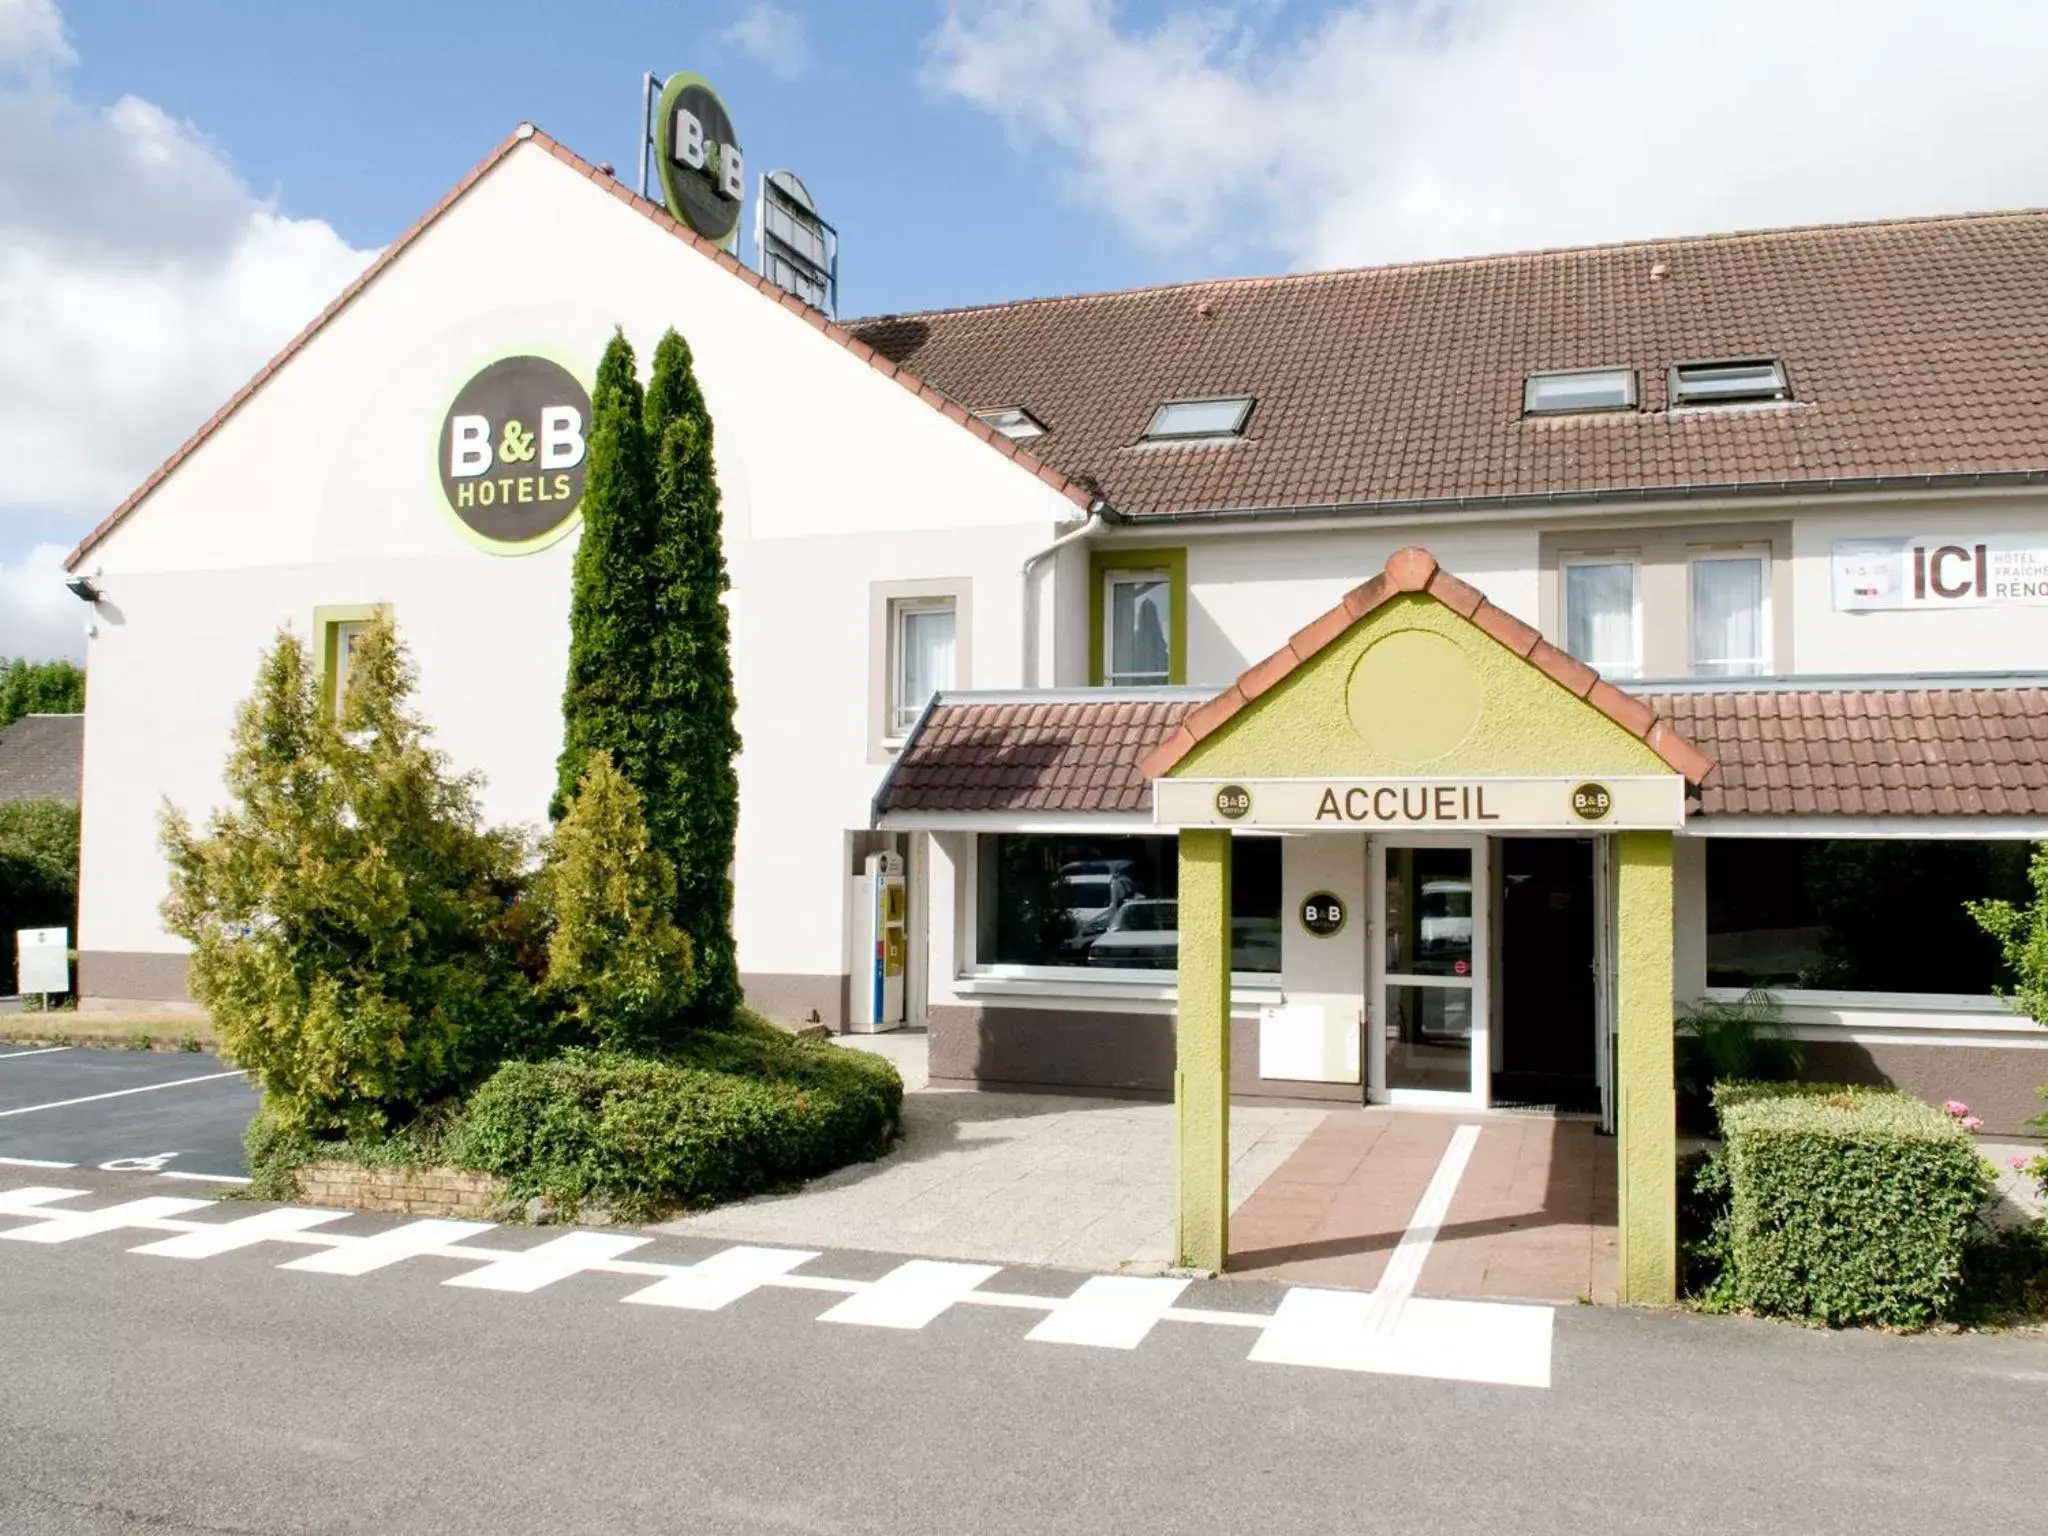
(1102, 561)
(1781, 393)
(896, 728)
(883, 645)
(1153, 433)
(1633, 559)
(1761, 553)
(329, 621)
(1150, 576)
(1529, 381)
(1031, 426)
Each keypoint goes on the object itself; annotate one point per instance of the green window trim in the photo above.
(1101, 562)
(327, 622)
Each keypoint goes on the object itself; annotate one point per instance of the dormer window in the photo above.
(1013, 421)
(1181, 420)
(1579, 389)
(1729, 381)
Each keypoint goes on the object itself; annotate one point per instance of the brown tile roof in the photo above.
(1081, 495)
(1914, 349)
(42, 757)
(1908, 751)
(1063, 753)
(1415, 570)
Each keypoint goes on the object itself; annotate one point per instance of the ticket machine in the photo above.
(879, 945)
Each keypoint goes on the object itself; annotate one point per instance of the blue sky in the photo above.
(364, 114)
(183, 185)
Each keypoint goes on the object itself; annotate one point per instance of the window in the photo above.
(1868, 916)
(1178, 419)
(1602, 616)
(347, 636)
(1731, 615)
(1584, 389)
(1137, 613)
(1013, 421)
(921, 645)
(1732, 381)
(337, 631)
(1111, 903)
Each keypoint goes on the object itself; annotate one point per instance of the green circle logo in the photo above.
(513, 453)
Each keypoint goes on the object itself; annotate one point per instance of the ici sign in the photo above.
(513, 454)
(1985, 570)
(703, 174)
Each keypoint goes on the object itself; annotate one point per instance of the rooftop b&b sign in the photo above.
(1647, 802)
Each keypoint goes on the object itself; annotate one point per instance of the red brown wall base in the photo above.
(1094, 1051)
(1999, 1083)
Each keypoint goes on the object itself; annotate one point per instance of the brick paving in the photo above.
(1533, 1217)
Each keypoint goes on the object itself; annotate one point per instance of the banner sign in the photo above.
(703, 174)
(1951, 571)
(513, 454)
(1648, 802)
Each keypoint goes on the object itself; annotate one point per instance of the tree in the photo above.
(698, 823)
(38, 872)
(616, 962)
(39, 688)
(2021, 929)
(650, 670)
(348, 911)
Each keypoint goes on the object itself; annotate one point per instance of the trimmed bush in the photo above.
(736, 1111)
(1846, 1204)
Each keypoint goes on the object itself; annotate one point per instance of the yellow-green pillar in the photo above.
(1201, 1078)
(1648, 1100)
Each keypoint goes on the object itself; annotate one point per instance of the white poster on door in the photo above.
(1946, 571)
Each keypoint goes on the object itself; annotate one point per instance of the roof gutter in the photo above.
(1839, 485)
(1027, 654)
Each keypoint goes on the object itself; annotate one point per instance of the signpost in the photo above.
(43, 962)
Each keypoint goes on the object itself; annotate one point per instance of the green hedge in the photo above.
(1846, 1204)
(733, 1112)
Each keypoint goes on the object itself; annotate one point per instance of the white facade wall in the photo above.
(322, 489)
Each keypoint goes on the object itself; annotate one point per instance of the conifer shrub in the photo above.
(737, 1110)
(618, 968)
(348, 911)
(1845, 1204)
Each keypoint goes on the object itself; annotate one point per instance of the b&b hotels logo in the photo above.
(513, 453)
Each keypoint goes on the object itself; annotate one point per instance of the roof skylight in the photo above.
(1013, 421)
(1579, 389)
(1729, 381)
(1178, 420)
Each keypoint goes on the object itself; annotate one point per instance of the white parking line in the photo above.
(40, 1051)
(33, 1162)
(120, 1093)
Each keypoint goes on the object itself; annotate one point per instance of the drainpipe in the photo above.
(1098, 510)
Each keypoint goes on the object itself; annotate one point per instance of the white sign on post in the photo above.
(42, 960)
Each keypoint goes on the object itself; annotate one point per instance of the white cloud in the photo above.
(141, 284)
(771, 36)
(37, 616)
(1416, 128)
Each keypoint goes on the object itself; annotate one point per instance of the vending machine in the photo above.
(879, 947)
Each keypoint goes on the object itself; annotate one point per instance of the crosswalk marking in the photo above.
(556, 1259)
(722, 1279)
(382, 1248)
(911, 1294)
(133, 1213)
(228, 1236)
(1109, 1312)
(1497, 1343)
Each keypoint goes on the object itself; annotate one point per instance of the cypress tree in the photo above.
(693, 802)
(611, 603)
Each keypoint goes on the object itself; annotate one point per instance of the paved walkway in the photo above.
(1008, 1178)
(1532, 1216)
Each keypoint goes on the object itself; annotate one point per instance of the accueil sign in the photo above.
(1478, 804)
(1956, 571)
(703, 173)
(513, 453)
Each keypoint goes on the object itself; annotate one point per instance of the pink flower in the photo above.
(1956, 1107)
(2019, 1164)
(1972, 1124)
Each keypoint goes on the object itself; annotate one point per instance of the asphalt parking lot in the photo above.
(179, 1115)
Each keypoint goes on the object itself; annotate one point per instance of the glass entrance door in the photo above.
(1430, 972)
